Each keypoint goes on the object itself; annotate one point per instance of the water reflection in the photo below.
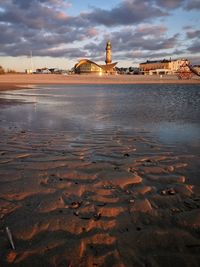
(170, 112)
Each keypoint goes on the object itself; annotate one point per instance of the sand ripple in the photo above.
(73, 202)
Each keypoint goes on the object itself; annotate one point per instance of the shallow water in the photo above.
(170, 113)
(86, 171)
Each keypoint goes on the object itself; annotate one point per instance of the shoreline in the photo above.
(18, 81)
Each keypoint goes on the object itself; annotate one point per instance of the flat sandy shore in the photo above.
(95, 198)
(136, 207)
(11, 81)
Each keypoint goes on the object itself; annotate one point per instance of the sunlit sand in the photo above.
(83, 190)
(11, 81)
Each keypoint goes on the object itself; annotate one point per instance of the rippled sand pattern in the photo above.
(117, 201)
(97, 199)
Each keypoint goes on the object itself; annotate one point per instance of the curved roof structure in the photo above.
(83, 61)
(107, 67)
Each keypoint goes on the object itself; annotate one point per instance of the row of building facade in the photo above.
(86, 66)
(147, 68)
(163, 66)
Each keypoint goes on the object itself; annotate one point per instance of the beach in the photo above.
(99, 171)
(11, 81)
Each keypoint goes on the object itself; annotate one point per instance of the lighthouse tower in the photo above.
(108, 53)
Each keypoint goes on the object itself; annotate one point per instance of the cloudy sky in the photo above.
(60, 32)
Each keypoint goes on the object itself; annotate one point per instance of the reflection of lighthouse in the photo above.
(108, 53)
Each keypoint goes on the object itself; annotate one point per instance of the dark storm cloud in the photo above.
(8, 36)
(38, 41)
(37, 16)
(126, 13)
(195, 48)
(173, 4)
(127, 41)
(14, 50)
(193, 4)
(170, 4)
(193, 34)
(144, 56)
(43, 25)
(23, 3)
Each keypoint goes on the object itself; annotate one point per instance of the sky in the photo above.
(59, 33)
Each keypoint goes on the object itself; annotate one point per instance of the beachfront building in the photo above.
(162, 66)
(174, 65)
(86, 66)
(43, 71)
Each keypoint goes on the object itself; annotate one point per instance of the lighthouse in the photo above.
(108, 53)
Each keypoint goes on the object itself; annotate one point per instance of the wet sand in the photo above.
(108, 199)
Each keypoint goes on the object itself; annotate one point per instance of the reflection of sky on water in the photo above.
(177, 133)
(170, 112)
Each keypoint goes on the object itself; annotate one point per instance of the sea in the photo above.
(169, 113)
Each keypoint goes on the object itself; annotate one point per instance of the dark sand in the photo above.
(134, 203)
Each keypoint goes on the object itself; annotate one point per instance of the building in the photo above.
(43, 71)
(87, 66)
(174, 65)
(162, 66)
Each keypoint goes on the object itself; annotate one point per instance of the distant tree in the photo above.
(2, 71)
